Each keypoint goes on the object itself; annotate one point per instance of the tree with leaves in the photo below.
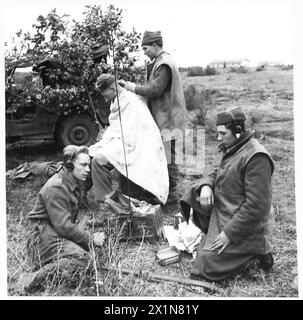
(78, 52)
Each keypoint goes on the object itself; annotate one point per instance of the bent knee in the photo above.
(99, 159)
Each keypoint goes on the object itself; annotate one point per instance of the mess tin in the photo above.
(168, 255)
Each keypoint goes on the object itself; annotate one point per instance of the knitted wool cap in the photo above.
(150, 37)
(227, 116)
(99, 51)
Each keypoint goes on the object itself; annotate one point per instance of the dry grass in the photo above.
(267, 99)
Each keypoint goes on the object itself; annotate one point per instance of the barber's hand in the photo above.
(221, 242)
(122, 83)
(130, 86)
(206, 196)
(98, 238)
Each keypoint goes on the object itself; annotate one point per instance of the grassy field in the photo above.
(267, 99)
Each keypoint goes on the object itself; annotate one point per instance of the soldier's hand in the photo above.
(122, 83)
(98, 238)
(206, 196)
(221, 242)
(130, 86)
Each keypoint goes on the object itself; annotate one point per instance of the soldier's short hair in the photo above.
(104, 81)
(71, 151)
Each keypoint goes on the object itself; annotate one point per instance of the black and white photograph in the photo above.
(150, 150)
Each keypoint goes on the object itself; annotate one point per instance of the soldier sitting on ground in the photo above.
(57, 238)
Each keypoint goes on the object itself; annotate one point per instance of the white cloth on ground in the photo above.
(187, 237)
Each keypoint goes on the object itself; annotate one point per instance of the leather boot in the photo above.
(99, 217)
(266, 261)
(173, 173)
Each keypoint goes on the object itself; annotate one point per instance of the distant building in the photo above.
(236, 63)
(270, 63)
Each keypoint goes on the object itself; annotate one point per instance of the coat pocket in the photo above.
(229, 202)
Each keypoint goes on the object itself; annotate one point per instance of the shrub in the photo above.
(210, 123)
(260, 68)
(288, 67)
(183, 69)
(200, 72)
(210, 71)
(195, 72)
(253, 118)
(201, 115)
(190, 94)
(194, 101)
(199, 101)
(240, 69)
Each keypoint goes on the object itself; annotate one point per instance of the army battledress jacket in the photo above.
(57, 206)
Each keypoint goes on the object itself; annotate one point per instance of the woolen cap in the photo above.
(99, 51)
(150, 37)
(230, 115)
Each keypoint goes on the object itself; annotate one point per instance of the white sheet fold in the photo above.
(145, 155)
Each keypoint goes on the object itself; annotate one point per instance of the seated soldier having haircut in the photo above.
(131, 144)
(232, 206)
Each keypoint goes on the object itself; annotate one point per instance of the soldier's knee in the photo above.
(98, 160)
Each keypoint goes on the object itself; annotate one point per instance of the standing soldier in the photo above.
(166, 101)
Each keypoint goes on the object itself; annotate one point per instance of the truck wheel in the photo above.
(79, 130)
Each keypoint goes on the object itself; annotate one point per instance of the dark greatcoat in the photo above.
(242, 199)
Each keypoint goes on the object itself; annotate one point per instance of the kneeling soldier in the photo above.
(232, 206)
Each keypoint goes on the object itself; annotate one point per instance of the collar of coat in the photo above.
(69, 179)
(247, 135)
(155, 58)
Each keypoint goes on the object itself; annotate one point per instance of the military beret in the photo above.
(230, 115)
(150, 37)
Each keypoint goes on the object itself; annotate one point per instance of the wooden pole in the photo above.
(152, 276)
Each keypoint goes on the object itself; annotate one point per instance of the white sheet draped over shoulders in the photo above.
(145, 155)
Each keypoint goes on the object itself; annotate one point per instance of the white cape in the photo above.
(145, 155)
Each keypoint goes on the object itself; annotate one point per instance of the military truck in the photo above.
(28, 119)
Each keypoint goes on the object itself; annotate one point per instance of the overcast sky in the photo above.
(195, 32)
